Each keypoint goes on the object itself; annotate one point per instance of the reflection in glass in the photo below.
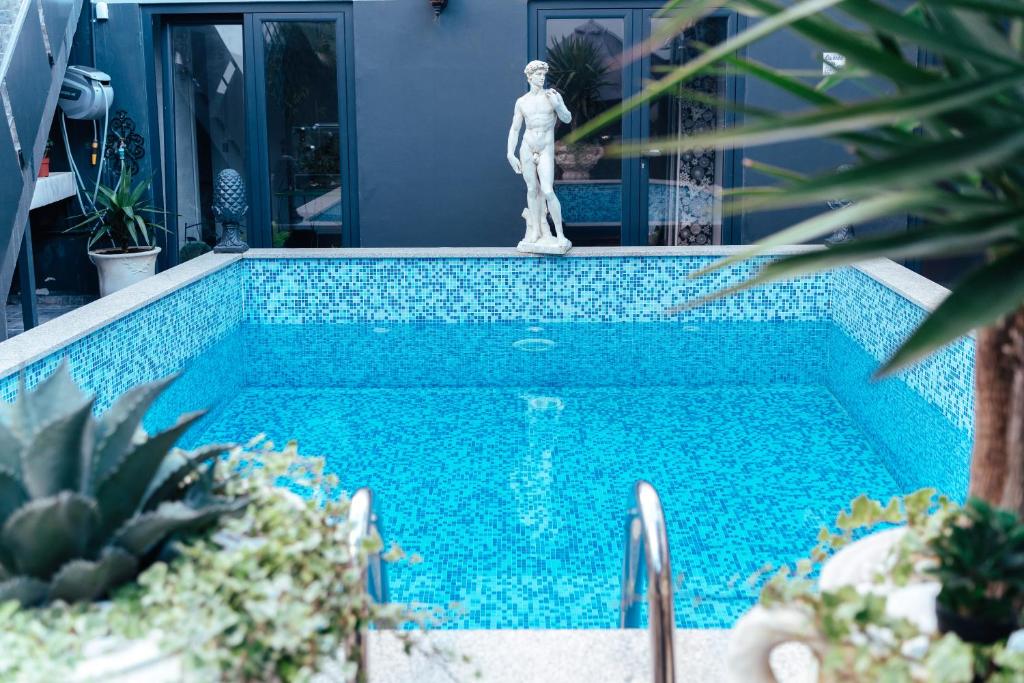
(302, 133)
(586, 68)
(682, 203)
(209, 124)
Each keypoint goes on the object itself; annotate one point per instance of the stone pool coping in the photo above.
(20, 351)
(569, 656)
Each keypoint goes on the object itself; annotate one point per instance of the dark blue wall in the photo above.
(433, 107)
(788, 50)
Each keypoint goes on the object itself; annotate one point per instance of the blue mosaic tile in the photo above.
(600, 201)
(515, 496)
(922, 447)
(451, 290)
(879, 320)
(502, 408)
(149, 343)
(550, 354)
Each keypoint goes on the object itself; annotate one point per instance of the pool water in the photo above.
(504, 454)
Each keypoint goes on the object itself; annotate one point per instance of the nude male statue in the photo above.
(538, 109)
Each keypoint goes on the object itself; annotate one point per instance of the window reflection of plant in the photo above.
(318, 154)
(293, 49)
(578, 70)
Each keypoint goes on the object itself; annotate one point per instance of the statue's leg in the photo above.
(533, 195)
(546, 174)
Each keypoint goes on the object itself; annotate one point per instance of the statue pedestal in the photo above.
(551, 246)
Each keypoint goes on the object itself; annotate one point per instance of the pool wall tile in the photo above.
(170, 333)
(152, 342)
(879, 320)
(454, 290)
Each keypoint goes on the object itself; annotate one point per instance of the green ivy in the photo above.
(862, 642)
(272, 595)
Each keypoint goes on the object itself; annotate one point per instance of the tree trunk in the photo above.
(997, 466)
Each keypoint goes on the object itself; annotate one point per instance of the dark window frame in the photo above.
(157, 19)
(635, 174)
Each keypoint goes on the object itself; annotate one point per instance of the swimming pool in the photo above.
(502, 407)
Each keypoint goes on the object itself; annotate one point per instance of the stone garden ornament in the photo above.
(540, 110)
(229, 207)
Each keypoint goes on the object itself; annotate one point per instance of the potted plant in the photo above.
(875, 611)
(44, 165)
(206, 564)
(980, 563)
(122, 217)
(578, 71)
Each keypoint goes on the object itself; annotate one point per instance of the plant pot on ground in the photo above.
(980, 563)
(868, 612)
(123, 218)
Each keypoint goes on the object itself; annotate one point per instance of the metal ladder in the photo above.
(647, 562)
(364, 524)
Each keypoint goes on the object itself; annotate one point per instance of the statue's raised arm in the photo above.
(563, 113)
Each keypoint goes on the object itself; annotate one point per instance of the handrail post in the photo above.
(364, 524)
(647, 563)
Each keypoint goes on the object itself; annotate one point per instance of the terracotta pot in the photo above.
(118, 270)
(576, 161)
(44, 168)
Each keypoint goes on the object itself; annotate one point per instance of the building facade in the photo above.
(378, 123)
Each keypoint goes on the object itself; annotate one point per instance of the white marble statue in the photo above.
(540, 110)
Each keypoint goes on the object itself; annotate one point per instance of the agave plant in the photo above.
(122, 214)
(578, 71)
(86, 503)
(944, 142)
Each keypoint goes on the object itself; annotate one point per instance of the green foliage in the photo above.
(191, 250)
(860, 641)
(87, 503)
(578, 71)
(283, 599)
(980, 554)
(942, 141)
(122, 214)
(273, 595)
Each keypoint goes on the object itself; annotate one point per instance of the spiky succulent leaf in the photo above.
(24, 589)
(81, 580)
(12, 494)
(121, 492)
(118, 424)
(144, 532)
(174, 470)
(43, 534)
(53, 395)
(53, 458)
(10, 451)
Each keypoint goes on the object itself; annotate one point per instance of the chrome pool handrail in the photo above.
(364, 524)
(647, 561)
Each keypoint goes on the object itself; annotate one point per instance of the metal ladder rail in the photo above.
(647, 561)
(364, 524)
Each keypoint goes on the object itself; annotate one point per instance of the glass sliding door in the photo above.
(682, 202)
(667, 198)
(303, 135)
(207, 123)
(264, 95)
(584, 52)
